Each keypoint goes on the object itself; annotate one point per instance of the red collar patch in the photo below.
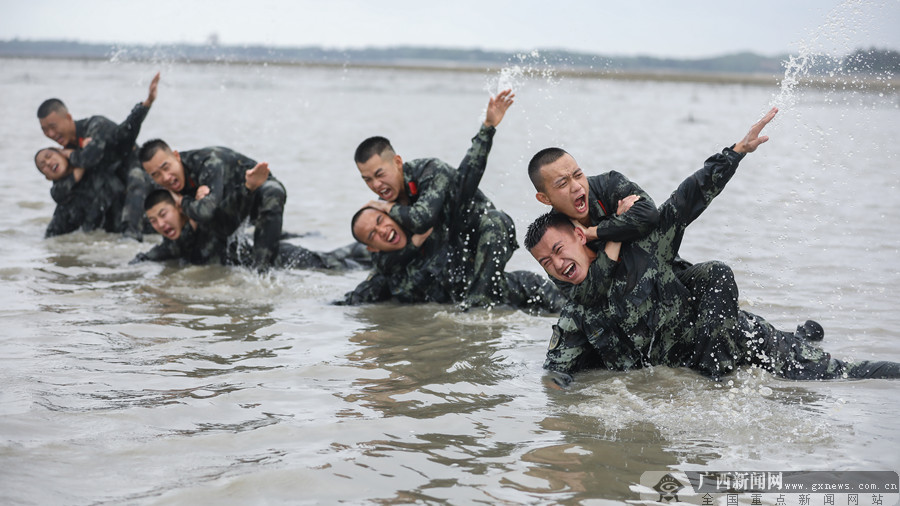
(413, 189)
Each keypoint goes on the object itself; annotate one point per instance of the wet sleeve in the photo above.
(158, 253)
(373, 289)
(597, 282)
(102, 133)
(569, 350)
(66, 218)
(212, 174)
(168, 250)
(696, 192)
(62, 190)
(635, 223)
(127, 131)
(473, 165)
(434, 188)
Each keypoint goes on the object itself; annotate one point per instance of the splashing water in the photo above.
(822, 59)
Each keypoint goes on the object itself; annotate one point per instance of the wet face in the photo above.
(166, 170)
(52, 164)
(384, 176)
(59, 127)
(565, 187)
(167, 220)
(379, 232)
(563, 253)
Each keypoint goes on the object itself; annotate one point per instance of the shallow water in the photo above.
(156, 384)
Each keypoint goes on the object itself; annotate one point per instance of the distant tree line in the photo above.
(871, 61)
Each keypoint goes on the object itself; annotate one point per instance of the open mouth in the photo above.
(385, 193)
(581, 204)
(392, 236)
(569, 271)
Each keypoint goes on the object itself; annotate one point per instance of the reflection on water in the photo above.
(159, 383)
(434, 365)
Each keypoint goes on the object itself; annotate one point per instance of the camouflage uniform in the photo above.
(201, 247)
(638, 312)
(111, 193)
(463, 260)
(224, 172)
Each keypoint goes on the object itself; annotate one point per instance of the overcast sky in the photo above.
(676, 28)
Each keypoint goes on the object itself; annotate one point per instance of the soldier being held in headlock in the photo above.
(100, 183)
(436, 237)
(229, 201)
(187, 240)
(629, 308)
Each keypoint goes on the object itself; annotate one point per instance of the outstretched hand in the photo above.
(151, 96)
(497, 107)
(256, 176)
(752, 140)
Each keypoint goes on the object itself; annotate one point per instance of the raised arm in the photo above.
(474, 163)
(696, 192)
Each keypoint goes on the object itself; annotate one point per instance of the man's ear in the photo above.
(580, 235)
(177, 154)
(398, 162)
(543, 198)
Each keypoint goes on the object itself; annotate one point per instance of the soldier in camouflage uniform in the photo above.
(628, 308)
(424, 194)
(106, 186)
(184, 239)
(229, 201)
(415, 268)
(447, 243)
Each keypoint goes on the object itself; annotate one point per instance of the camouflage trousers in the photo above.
(102, 212)
(494, 240)
(723, 336)
(138, 184)
(352, 256)
(266, 213)
(532, 292)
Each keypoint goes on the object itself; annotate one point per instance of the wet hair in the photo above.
(353, 221)
(51, 148)
(546, 221)
(372, 146)
(51, 105)
(543, 157)
(156, 197)
(148, 149)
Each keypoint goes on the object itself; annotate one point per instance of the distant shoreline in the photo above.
(838, 84)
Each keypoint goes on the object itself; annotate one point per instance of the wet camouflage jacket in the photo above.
(634, 312)
(224, 172)
(443, 198)
(198, 247)
(110, 147)
(605, 192)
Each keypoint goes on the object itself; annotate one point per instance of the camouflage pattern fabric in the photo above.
(199, 247)
(639, 311)
(111, 153)
(463, 260)
(230, 202)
